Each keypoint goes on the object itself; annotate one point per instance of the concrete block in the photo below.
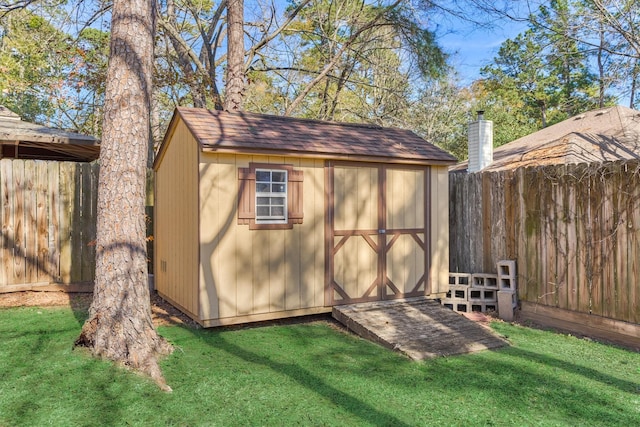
(461, 307)
(507, 275)
(458, 292)
(507, 267)
(482, 295)
(459, 279)
(507, 302)
(484, 280)
(507, 284)
(457, 305)
(483, 307)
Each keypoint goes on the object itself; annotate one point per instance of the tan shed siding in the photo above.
(246, 272)
(439, 269)
(405, 195)
(405, 210)
(356, 201)
(355, 209)
(176, 221)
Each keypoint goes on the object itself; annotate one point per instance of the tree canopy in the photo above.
(376, 61)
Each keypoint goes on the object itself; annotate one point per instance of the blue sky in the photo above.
(470, 47)
(473, 48)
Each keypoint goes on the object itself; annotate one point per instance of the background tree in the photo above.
(34, 56)
(51, 74)
(119, 325)
(440, 114)
(606, 30)
(81, 108)
(235, 82)
(566, 58)
(617, 23)
(350, 61)
(520, 68)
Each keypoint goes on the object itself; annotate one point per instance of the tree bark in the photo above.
(119, 326)
(234, 91)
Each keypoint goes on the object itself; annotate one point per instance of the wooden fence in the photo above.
(48, 222)
(48, 218)
(573, 230)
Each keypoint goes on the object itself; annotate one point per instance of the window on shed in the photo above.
(269, 196)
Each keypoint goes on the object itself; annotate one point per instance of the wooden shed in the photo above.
(261, 217)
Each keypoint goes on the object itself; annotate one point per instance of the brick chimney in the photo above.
(480, 143)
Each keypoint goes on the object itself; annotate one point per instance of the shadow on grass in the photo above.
(516, 381)
(572, 368)
(79, 303)
(46, 383)
(305, 378)
(357, 407)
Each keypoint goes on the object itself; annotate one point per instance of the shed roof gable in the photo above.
(257, 133)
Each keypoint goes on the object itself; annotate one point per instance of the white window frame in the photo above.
(271, 219)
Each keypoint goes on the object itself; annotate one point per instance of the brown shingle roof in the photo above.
(256, 133)
(602, 135)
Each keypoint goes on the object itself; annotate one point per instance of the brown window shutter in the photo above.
(246, 195)
(295, 196)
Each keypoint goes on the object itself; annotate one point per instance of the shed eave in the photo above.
(329, 156)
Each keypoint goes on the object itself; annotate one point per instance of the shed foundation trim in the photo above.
(179, 306)
(263, 317)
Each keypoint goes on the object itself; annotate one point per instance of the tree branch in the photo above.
(354, 37)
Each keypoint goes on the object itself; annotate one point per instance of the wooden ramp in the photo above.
(417, 327)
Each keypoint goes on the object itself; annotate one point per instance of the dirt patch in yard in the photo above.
(162, 312)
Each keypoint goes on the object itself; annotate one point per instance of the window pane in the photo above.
(277, 201)
(262, 188)
(278, 176)
(271, 196)
(278, 188)
(263, 176)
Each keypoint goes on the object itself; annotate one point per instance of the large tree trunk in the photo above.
(119, 326)
(234, 91)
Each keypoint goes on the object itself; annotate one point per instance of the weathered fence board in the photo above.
(18, 224)
(42, 226)
(53, 217)
(573, 229)
(48, 222)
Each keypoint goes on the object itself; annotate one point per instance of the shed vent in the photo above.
(480, 143)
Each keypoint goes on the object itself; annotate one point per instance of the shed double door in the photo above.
(376, 233)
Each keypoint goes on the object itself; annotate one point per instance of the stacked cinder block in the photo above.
(472, 292)
(483, 295)
(484, 292)
(458, 296)
(507, 298)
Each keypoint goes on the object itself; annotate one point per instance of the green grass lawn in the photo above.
(310, 374)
